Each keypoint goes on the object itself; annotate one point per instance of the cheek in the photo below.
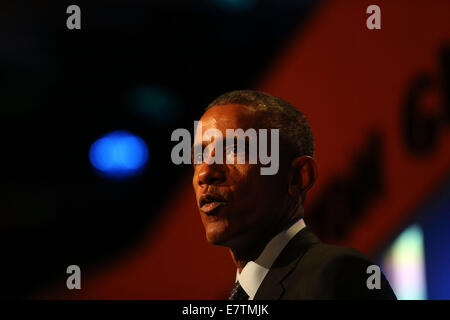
(256, 190)
(247, 184)
(242, 176)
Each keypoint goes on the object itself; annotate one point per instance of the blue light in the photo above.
(119, 154)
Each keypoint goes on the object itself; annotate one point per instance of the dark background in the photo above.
(144, 66)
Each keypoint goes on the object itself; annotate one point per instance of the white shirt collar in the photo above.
(254, 272)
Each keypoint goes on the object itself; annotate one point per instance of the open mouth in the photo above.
(209, 203)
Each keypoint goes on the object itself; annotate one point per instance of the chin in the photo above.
(224, 238)
(218, 236)
(216, 239)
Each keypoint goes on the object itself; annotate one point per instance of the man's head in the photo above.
(237, 204)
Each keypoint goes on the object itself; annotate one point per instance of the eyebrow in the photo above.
(204, 144)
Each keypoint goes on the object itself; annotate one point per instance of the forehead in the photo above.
(230, 116)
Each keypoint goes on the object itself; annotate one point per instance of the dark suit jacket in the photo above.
(310, 269)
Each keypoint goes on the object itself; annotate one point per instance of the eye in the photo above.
(233, 149)
(197, 158)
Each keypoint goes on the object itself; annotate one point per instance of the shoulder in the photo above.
(334, 263)
(335, 272)
(323, 254)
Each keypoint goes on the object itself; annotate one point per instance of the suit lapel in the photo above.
(272, 286)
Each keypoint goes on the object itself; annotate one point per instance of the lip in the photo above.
(209, 203)
(210, 207)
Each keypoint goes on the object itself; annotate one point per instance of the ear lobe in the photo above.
(303, 174)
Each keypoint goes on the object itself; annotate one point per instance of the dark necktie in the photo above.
(237, 293)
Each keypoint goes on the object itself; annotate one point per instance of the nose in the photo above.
(211, 174)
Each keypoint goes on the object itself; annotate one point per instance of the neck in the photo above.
(241, 255)
(250, 250)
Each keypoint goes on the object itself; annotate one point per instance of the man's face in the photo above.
(236, 203)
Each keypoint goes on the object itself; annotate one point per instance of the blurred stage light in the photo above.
(235, 5)
(119, 154)
(404, 265)
(155, 102)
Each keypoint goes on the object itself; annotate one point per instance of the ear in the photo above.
(302, 175)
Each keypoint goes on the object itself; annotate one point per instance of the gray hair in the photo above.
(295, 129)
